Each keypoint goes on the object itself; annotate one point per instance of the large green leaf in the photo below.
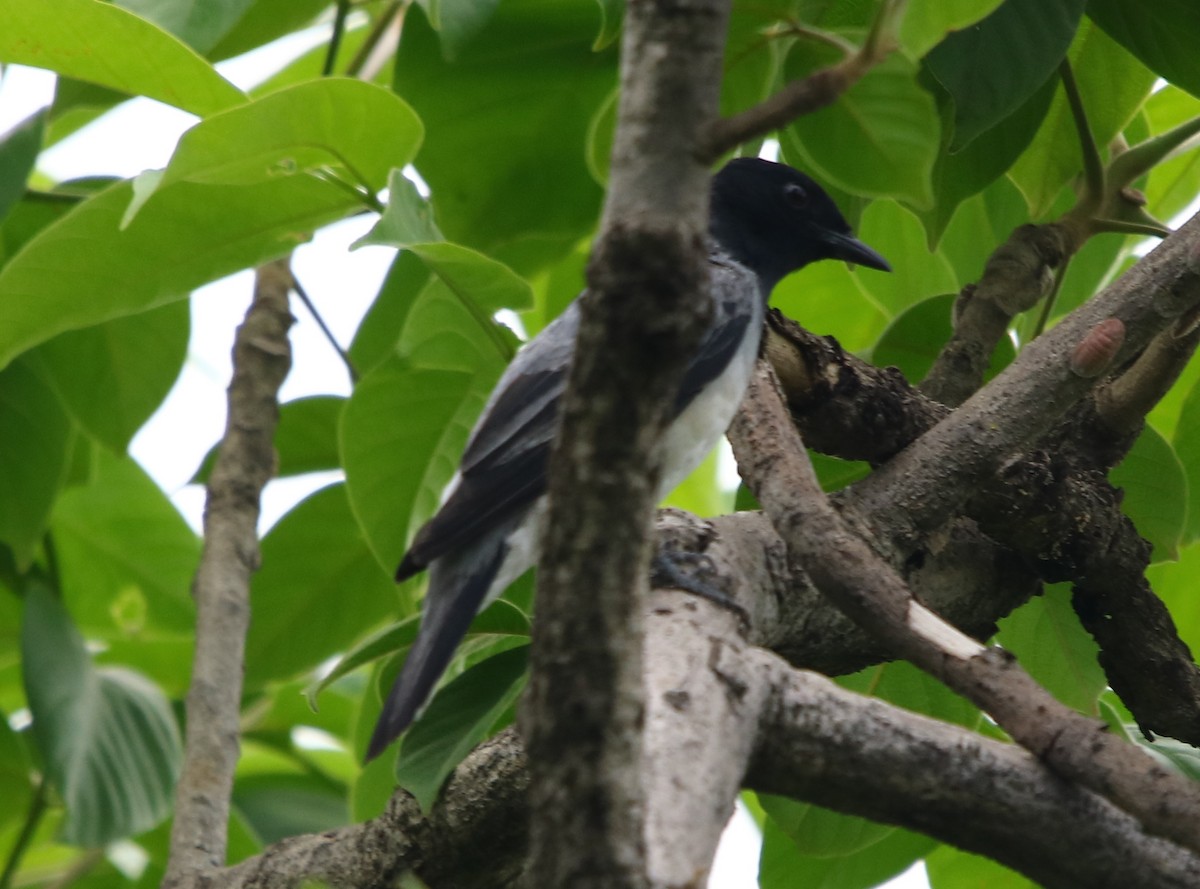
(107, 737)
(265, 21)
(951, 868)
(198, 23)
(1048, 640)
(85, 268)
(16, 774)
(481, 284)
(114, 375)
(35, 444)
(126, 556)
(19, 149)
(356, 128)
(1175, 182)
(501, 120)
(957, 175)
(278, 805)
(830, 299)
(458, 21)
(318, 590)
(1187, 450)
(104, 44)
(401, 440)
(820, 832)
(915, 338)
(993, 67)
(782, 862)
(927, 22)
(1175, 584)
(1162, 33)
(918, 273)
(1112, 84)
(459, 717)
(1156, 492)
(878, 139)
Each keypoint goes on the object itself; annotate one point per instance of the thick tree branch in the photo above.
(820, 743)
(773, 460)
(245, 461)
(583, 717)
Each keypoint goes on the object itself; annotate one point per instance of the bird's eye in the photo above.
(795, 194)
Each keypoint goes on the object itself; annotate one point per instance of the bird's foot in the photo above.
(691, 572)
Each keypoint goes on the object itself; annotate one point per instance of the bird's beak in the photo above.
(851, 249)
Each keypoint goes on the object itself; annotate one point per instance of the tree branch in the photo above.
(245, 461)
(772, 459)
(583, 713)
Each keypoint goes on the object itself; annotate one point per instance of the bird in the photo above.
(766, 220)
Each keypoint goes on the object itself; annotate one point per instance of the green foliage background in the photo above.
(506, 110)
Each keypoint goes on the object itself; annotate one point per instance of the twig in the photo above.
(312, 310)
(33, 817)
(335, 39)
(245, 461)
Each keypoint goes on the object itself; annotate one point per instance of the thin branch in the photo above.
(1093, 166)
(33, 817)
(335, 39)
(245, 461)
(379, 43)
(312, 310)
(799, 97)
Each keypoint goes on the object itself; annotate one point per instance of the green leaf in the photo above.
(830, 299)
(1112, 84)
(113, 376)
(458, 718)
(820, 832)
(305, 440)
(902, 684)
(781, 862)
(318, 590)
(501, 618)
(918, 272)
(879, 139)
(377, 335)
(458, 21)
(914, 339)
(957, 175)
(522, 197)
(278, 805)
(359, 130)
(993, 67)
(19, 149)
(1175, 182)
(1048, 640)
(982, 223)
(1162, 33)
(951, 868)
(1187, 450)
(927, 22)
(1156, 492)
(126, 556)
(93, 41)
(198, 23)
(1175, 584)
(35, 443)
(612, 13)
(481, 284)
(187, 235)
(108, 738)
(265, 21)
(402, 433)
(16, 775)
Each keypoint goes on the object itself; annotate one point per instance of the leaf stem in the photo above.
(1051, 298)
(1093, 167)
(335, 39)
(33, 817)
(312, 310)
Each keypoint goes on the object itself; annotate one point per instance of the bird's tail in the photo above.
(457, 588)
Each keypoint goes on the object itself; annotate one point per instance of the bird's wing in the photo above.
(735, 291)
(504, 466)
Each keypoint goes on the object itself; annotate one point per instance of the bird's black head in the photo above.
(775, 220)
